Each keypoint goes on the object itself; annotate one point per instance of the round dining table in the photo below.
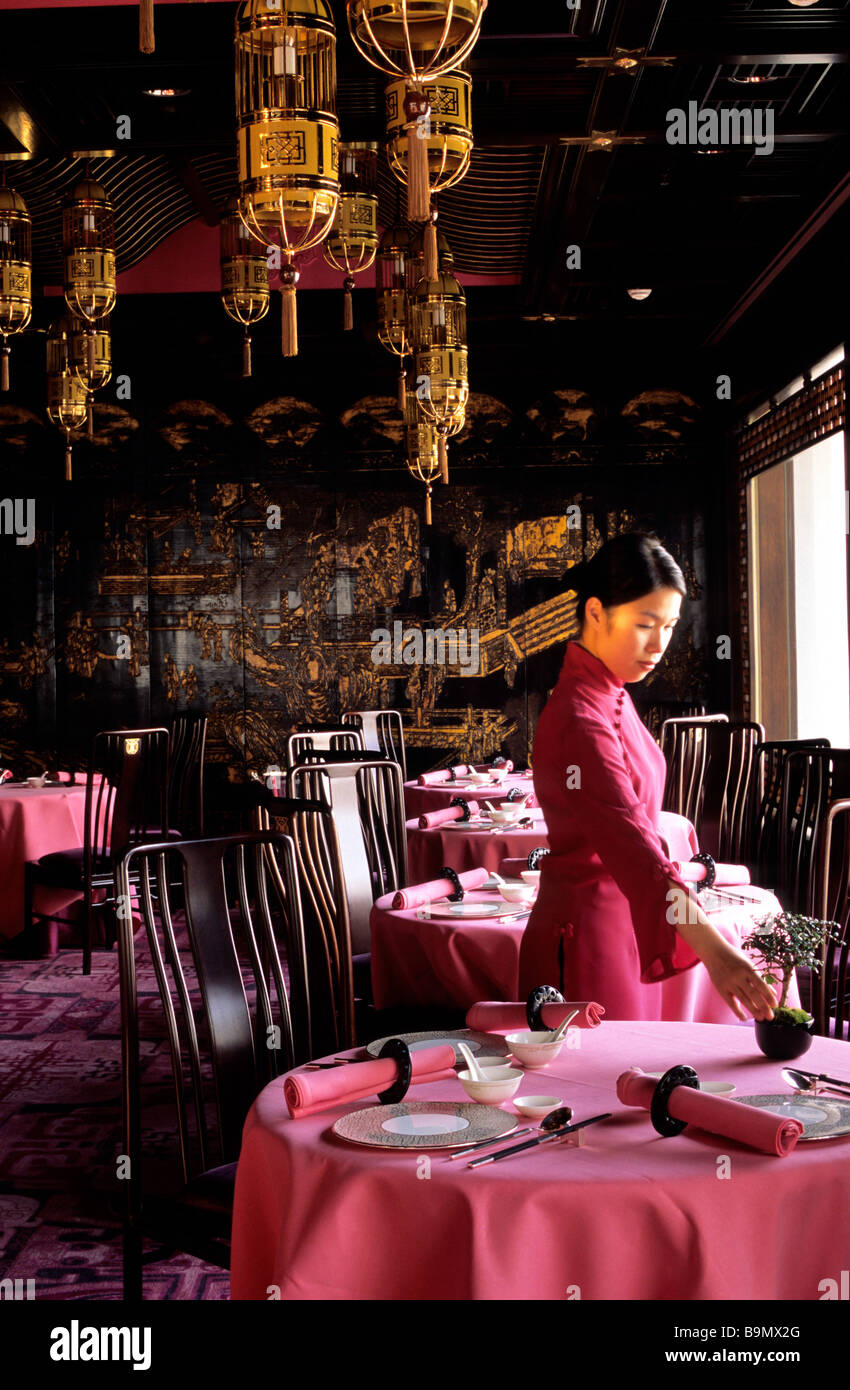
(35, 821)
(437, 795)
(626, 1215)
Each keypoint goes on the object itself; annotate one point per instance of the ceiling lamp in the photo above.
(438, 333)
(447, 137)
(88, 247)
(93, 371)
(416, 41)
(67, 405)
(639, 294)
(423, 459)
(245, 291)
(287, 131)
(803, 3)
(352, 244)
(15, 273)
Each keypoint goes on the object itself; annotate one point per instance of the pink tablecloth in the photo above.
(418, 800)
(34, 822)
(429, 850)
(628, 1216)
(418, 963)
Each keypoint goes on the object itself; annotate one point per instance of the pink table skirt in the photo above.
(35, 822)
(429, 850)
(628, 1216)
(418, 800)
(448, 964)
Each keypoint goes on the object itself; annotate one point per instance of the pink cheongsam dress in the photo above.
(599, 928)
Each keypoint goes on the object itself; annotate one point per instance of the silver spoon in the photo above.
(561, 1116)
(808, 1085)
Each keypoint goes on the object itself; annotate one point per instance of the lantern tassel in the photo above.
(90, 417)
(67, 458)
(428, 521)
(402, 392)
(289, 277)
(443, 456)
(418, 112)
(146, 37)
(430, 268)
(4, 368)
(348, 305)
(246, 355)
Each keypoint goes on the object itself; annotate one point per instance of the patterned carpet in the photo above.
(60, 1132)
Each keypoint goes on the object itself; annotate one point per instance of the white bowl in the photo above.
(506, 815)
(537, 1107)
(516, 892)
(498, 774)
(531, 877)
(502, 1082)
(478, 778)
(35, 781)
(534, 1049)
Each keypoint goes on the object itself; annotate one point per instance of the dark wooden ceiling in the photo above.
(700, 228)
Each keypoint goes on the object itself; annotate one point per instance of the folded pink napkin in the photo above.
(422, 893)
(503, 767)
(306, 1093)
(725, 874)
(429, 819)
(443, 774)
(759, 1129)
(491, 1016)
(7, 775)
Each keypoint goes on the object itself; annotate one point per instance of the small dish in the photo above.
(531, 877)
(516, 892)
(502, 1082)
(537, 1107)
(534, 1049)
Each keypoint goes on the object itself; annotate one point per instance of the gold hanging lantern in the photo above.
(92, 373)
(15, 273)
(438, 331)
(88, 248)
(287, 131)
(423, 460)
(353, 240)
(448, 144)
(391, 284)
(67, 404)
(417, 41)
(245, 291)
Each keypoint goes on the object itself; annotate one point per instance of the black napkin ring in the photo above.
(543, 994)
(461, 801)
(457, 895)
(658, 1111)
(516, 794)
(400, 1052)
(452, 774)
(535, 855)
(498, 762)
(710, 870)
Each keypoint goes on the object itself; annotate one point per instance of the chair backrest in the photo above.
(186, 774)
(727, 789)
(813, 777)
(762, 854)
(221, 983)
(831, 988)
(321, 740)
(324, 905)
(366, 796)
(684, 743)
(128, 803)
(383, 732)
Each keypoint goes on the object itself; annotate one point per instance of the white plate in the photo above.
(424, 1125)
(822, 1117)
(445, 911)
(488, 1044)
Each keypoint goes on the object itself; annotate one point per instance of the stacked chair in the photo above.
(383, 732)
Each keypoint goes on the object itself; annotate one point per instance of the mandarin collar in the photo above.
(578, 658)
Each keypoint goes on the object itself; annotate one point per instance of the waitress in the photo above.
(613, 918)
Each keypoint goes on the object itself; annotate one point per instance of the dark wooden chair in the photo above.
(126, 804)
(343, 740)
(724, 809)
(684, 743)
(186, 774)
(383, 732)
(231, 1023)
(762, 852)
(812, 778)
(831, 993)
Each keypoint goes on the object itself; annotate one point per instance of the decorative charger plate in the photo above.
(423, 1124)
(487, 1044)
(823, 1118)
(447, 911)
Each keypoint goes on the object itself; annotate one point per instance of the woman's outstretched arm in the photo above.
(731, 972)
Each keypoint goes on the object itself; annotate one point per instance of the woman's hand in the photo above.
(739, 983)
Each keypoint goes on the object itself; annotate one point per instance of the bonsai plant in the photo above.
(782, 941)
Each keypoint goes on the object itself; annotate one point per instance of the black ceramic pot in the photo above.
(783, 1041)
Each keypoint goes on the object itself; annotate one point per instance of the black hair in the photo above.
(623, 570)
